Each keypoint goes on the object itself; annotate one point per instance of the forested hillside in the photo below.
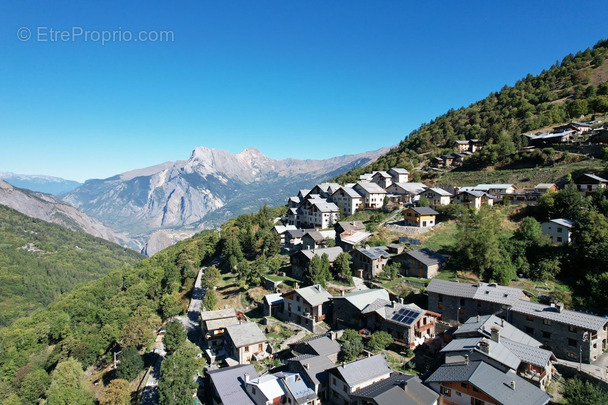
(39, 261)
(568, 90)
(122, 308)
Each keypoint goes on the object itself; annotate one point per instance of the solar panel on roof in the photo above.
(405, 316)
(415, 242)
(403, 239)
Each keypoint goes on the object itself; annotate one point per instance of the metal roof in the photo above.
(412, 188)
(483, 326)
(486, 187)
(424, 210)
(426, 256)
(215, 324)
(399, 170)
(354, 237)
(482, 291)
(272, 299)
(332, 252)
(314, 294)
(529, 354)
(363, 370)
(568, 223)
(506, 388)
(229, 383)
(298, 388)
(451, 288)
(269, 386)
(391, 311)
(219, 314)
(361, 299)
(349, 191)
(371, 188)
(314, 366)
(497, 351)
(374, 252)
(322, 345)
(398, 389)
(245, 334)
(440, 191)
(567, 317)
(283, 228)
(593, 177)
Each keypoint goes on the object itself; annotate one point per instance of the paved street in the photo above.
(150, 395)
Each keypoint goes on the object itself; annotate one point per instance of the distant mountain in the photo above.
(52, 209)
(201, 192)
(43, 184)
(40, 261)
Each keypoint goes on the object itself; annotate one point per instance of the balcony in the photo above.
(424, 328)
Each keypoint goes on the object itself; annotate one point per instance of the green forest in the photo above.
(40, 261)
(565, 92)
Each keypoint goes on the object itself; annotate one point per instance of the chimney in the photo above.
(466, 359)
(484, 346)
(307, 366)
(401, 300)
(502, 323)
(560, 307)
(393, 303)
(342, 292)
(297, 286)
(513, 385)
(246, 377)
(403, 385)
(495, 336)
(478, 318)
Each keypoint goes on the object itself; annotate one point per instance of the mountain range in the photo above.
(52, 209)
(40, 183)
(158, 205)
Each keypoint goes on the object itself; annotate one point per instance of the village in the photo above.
(360, 342)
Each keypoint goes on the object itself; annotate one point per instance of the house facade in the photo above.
(347, 309)
(437, 196)
(383, 179)
(399, 175)
(368, 263)
(473, 199)
(214, 323)
(347, 199)
(349, 378)
(423, 263)
(408, 324)
(421, 217)
(571, 335)
(373, 195)
(306, 306)
(457, 302)
(559, 230)
(245, 341)
(589, 183)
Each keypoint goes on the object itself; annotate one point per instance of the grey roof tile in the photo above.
(245, 334)
(567, 317)
(229, 383)
(363, 370)
(427, 256)
(398, 389)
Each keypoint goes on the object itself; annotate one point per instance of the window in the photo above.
(334, 381)
(560, 229)
(546, 322)
(572, 342)
(529, 318)
(260, 347)
(297, 298)
(572, 329)
(475, 401)
(529, 330)
(559, 239)
(440, 306)
(463, 385)
(446, 391)
(253, 390)
(246, 349)
(440, 298)
(462, 301)
(475, 389)
(546, 335)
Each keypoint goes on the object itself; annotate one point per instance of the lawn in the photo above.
(442, 239)
(289, 281)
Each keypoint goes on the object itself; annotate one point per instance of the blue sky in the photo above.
(294, 78)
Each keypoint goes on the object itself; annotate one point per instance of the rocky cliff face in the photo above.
(201, 192)
(51, 209)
